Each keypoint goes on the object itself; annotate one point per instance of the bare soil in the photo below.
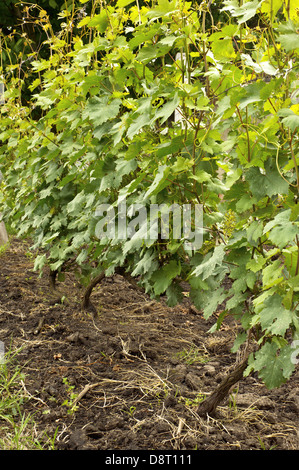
(130, 376)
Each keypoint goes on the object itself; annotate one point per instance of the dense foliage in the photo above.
(105, 98)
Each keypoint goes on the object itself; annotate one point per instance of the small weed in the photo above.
(17, 427)
(233, 399)
(263, 446)
(4, 248)
(71, 401)
(29, 255)
(192, 355)
(131, 411)
(195, 401)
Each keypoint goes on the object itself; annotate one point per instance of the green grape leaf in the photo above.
(141, 121)
(163, 278)
(240, 339)
(148, 263)
(99, 110)
(77, 203)
(100, 21)
(159, 182)
(244, 12)
(167, 109)
(174, 294)
(212, 302)
(206, 268)
(290, 119)
(268, 183)
(124, 3)
(256, 263)
(274, 317)
(281, 230)
(272, 274)
(254, 232)
(273, 367)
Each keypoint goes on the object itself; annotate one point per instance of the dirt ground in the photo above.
(130, 376)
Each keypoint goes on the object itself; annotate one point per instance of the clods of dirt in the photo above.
(131, 375)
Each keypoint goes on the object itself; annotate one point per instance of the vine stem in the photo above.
(86, 304)
(43, 134)
(297, 265)
(205, 54)
(294, 161)
(279, 171)
(209, 405)
(89, 289)
(246, 129)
